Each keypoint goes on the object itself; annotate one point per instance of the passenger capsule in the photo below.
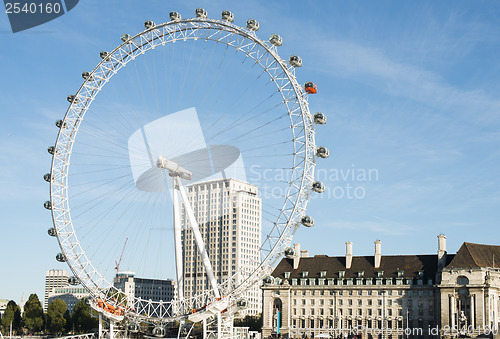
(307, 221)
(73, 281)
(318, 187)
(295, 61)
(87, 76)
(72, 99)
(276, 40)
(242, 303)
(61, 124)
(252, 24)
(322, 152)
(289, 252)
(105, 56)
(228, 16)
(311, 88)
(159, 331)
(60, 257)
(268, 280)
(319, 118)
(52, 232)
(51, 150)
(46, 177)
(149, 24)
(174, 16)
(125, 37)
(133, 327)
(201, 13)
(47, 205)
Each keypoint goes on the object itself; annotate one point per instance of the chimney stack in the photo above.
(378, 253)
(296, 257)
(441, 252)
(348, 254)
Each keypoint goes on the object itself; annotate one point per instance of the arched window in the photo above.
(461, 280)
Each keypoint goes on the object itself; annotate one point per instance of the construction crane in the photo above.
(117, 263)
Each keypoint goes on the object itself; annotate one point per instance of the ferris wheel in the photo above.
(189, 136)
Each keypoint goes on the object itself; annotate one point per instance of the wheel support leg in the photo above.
(178, 242)
(100, 326)
(199, 240)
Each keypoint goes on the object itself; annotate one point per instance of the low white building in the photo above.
(3, 306)
(70, 295)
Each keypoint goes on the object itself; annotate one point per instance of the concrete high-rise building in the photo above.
(228, 212)
(54, 279)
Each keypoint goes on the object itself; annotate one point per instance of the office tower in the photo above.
(54, 279)
(228, 212)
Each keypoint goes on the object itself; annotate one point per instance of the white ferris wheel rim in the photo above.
(294, 98)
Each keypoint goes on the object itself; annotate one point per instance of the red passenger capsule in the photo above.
(311, 88)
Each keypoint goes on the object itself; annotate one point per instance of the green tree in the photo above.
(33, 314)
(12, 315)
(82, 319)
(254, 322)
(69, 324)
(55, 316)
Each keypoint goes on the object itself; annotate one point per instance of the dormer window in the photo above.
(322, 274)
(305, 274)
(287, 275)
(401, 273)
(341, 274)
(361, 274)
(380, 274)
(421, 274)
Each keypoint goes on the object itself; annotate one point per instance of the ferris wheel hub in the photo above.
(174, 168)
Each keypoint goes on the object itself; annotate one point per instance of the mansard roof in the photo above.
(390, 265)
(476, 255)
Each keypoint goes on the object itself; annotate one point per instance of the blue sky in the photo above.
(410, 90)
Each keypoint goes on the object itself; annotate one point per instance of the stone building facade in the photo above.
(379, 296)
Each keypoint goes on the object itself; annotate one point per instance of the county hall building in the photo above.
(438, 295)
